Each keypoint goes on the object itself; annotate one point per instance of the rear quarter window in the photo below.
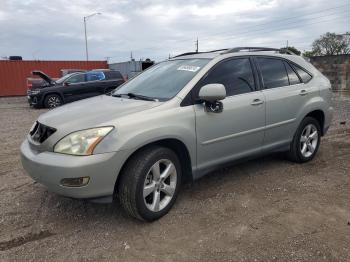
(113, 75)
(305, 76)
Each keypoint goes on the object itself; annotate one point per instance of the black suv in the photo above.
(71, 87)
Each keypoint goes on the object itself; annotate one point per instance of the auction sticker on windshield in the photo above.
(188, 68)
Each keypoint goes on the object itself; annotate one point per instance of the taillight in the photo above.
(29, 85)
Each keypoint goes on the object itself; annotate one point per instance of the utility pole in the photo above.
(86, 45)
(196, 42)
(107, 58)
(86, 42)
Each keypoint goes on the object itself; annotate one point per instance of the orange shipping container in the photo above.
(13, 74)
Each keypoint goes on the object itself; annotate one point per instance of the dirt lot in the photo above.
(264, 210)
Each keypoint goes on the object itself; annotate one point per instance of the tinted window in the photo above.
(236, 75)
(293, 77)
(273, 72)
(77, 79)
(94, 76)
(305, 76)
(164, 80)
(113, 75)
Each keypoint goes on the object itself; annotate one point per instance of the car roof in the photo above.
(237, 51)
(249, 51)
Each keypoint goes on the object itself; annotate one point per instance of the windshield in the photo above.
(164, 80)
(63, 78)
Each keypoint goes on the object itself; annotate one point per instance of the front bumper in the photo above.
(49, 168)
(34, 100)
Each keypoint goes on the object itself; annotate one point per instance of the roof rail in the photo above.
(194, 53)
(238, 49)
(256, 49)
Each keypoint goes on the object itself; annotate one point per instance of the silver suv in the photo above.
(177, 121)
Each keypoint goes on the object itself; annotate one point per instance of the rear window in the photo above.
(305, 76)
(113, 75)
(273, 72)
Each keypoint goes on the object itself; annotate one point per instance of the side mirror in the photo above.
(211, 94)
(66, 84)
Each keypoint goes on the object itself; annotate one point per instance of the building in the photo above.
(131, 68)
(14, 73)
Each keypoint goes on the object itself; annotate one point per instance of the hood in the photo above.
(44, 76)
(93, 112)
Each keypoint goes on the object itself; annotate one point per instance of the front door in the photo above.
(237, 131)
(74, 88)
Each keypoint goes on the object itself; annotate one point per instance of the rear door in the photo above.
(238, 130)
(285, 94)
(95, 83)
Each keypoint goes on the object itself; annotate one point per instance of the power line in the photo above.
(284, 28)
(270, 30)
(294, 24)
(274, 21)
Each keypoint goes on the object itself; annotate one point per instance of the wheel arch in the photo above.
(319, 115)
(174, 144)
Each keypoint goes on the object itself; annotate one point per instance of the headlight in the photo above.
(34, 92)
(82, 142)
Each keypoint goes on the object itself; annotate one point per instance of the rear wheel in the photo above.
(52, 101)
(306, 141)
(149, 183)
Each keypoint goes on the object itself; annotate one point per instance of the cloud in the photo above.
(154, 28)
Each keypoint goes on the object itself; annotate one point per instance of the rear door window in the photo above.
(293, 77)
(235, 74)
(305, 76)
(273, 72)
(94, 76)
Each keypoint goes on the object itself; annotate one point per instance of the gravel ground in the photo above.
(263, 210)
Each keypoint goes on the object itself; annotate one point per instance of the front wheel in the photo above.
(306, 141)
(149, 183)
(52, 101)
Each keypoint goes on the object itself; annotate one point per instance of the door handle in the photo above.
(257, 102)
(303, 92)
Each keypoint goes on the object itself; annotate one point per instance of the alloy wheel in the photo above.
(308, 140)
(160, 185)
(54, 101)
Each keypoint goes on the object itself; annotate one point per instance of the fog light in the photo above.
(75, 182)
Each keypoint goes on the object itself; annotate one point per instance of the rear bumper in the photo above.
(49, 168)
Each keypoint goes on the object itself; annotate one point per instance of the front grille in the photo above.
(41, 132)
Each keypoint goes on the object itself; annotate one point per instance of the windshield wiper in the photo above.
(137, 96)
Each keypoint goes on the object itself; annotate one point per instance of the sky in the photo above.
(54, 29)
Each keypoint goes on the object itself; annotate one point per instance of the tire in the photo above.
(52, 101)
(139, 187)
(304, 146)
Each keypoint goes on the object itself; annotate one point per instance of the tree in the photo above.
(308, 53)
(331, 44)
(293, 49)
